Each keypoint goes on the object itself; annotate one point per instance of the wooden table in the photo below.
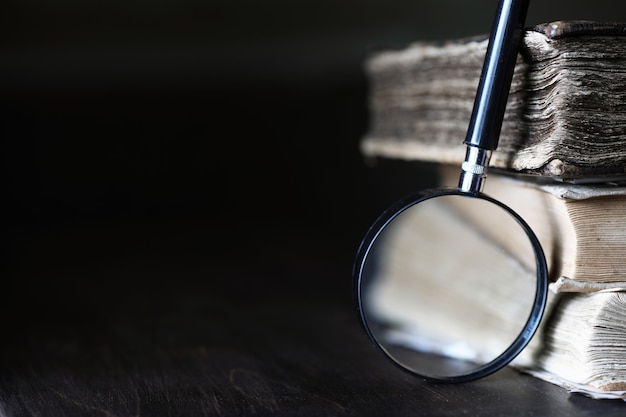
(160, 320)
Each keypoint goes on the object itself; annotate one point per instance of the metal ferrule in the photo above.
(474, 169)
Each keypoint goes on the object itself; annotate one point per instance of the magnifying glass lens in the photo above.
(448, 288)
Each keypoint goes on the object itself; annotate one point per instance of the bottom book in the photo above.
(581, 342)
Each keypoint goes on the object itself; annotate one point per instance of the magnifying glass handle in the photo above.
(493, 91)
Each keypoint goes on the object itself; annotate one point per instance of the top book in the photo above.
(566, 112)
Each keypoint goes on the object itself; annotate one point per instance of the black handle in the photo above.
(495, 79)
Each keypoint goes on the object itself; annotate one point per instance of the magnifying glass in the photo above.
(420, 289)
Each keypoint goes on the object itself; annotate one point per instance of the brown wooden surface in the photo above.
(145, 320)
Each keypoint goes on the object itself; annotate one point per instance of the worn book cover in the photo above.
(565, 116)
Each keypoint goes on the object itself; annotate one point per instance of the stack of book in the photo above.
(561, 165)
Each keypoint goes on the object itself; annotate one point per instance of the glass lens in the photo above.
(449, 284)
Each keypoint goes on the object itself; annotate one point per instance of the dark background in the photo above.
(247, 112)
(158, 152)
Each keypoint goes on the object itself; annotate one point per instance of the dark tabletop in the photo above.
(154, 320)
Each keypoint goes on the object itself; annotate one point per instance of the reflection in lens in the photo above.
(448, 285)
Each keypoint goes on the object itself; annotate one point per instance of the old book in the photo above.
(581, 227)
(565, 116)
(561, 165)
(581, 344)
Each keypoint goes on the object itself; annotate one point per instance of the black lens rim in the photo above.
(539, 302)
